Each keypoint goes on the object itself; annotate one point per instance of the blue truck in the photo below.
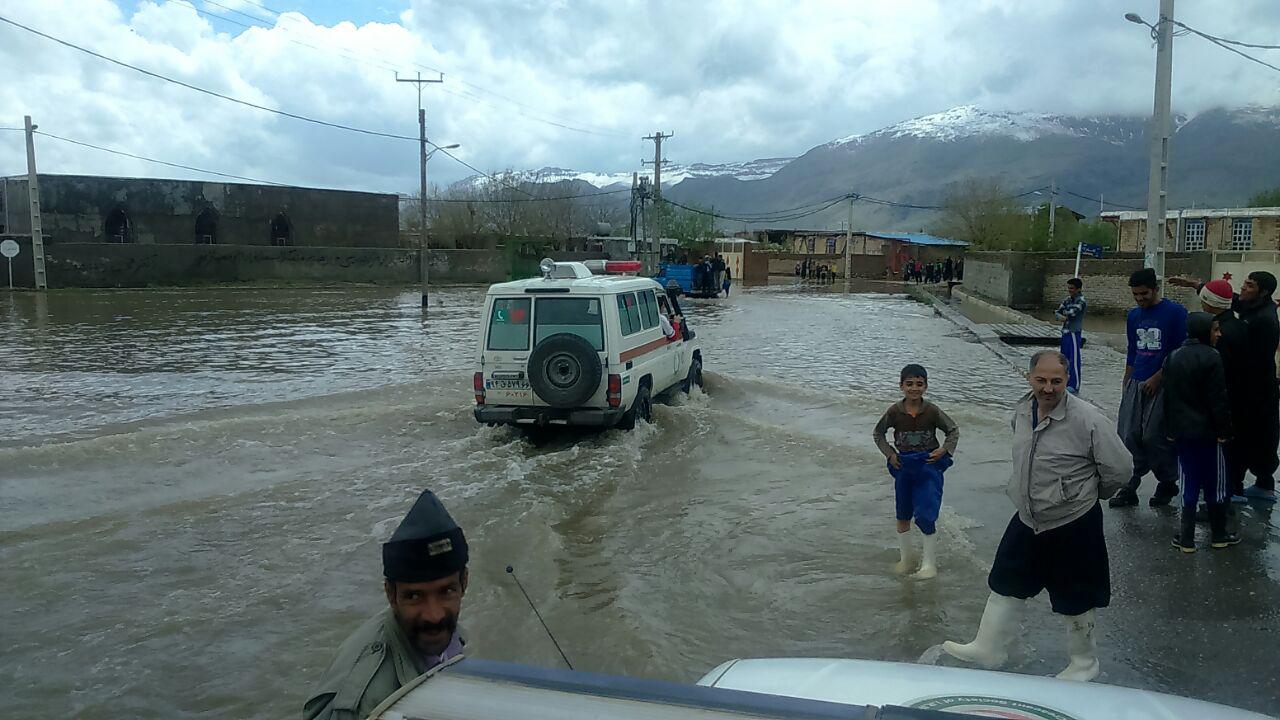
(690, 278)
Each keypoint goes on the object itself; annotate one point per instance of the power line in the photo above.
(1206, 35)
(767, 215)
(1099, 200)
(1227, 45)
(198, 89)
(530, 113)
(154, 160)
(255, 106)
(754, 220)
(206, 13)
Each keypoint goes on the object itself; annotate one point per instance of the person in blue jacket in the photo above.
(1155, 328)
(916, 461)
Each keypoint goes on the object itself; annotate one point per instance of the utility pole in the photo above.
(635, 213)
(1053, 201)
(657, 162)
(33, 192)
(425, 257)
(1161, 129)
(848, 247)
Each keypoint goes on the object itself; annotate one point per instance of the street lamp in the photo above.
(454, 146)
(1136, 18)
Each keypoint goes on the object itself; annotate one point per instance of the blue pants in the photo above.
(1071, 348)
(917, 488)
(1202, 468)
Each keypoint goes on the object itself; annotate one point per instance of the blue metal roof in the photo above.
(920, 239)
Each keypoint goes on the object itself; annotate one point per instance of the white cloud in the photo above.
(734, 80)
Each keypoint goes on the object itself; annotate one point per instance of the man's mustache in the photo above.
(448, 624)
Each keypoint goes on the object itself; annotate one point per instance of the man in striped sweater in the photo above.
(1071, 313)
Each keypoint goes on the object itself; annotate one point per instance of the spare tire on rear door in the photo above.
(564, 370)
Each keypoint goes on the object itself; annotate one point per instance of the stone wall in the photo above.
(1014, 279)
(865, 266)
(785, 263)
(76, 209)
(108, 265)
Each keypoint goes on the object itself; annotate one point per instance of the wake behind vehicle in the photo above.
(580, 348)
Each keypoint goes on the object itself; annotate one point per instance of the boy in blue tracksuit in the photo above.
(1071, 313)
(1155, 328)
(1197, 418)
(916, 461)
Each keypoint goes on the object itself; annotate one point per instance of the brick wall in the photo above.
(1106, 282)
(1217, 233)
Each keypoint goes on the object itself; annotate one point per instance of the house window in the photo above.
(813, 243)
(1193, 236)
(1242, 234)
(831, 246)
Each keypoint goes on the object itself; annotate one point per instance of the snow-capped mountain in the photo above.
(971, 121)
(1218, 157)
(671, 174)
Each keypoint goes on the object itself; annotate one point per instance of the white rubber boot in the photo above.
(1082, 648)
(929, 563)
(990, 648)
(906, 559)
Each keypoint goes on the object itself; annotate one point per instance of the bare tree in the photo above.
(979, 211)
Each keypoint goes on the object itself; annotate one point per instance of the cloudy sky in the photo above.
(574, 84)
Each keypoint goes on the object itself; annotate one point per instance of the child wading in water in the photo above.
(917, 462)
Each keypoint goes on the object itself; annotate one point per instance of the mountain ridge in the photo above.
(1218, 157)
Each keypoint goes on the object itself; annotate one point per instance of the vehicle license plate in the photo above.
(492, 384)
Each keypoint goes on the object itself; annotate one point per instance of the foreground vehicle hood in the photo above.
(959, 690)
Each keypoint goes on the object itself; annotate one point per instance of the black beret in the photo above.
(428, 544)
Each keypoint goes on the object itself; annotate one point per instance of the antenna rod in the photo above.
(512, 572)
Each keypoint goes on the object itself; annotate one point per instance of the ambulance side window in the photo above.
(509, 324)
(629, 314)
(648, 309)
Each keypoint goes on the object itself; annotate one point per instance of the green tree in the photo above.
(686, 225)
(1266, 198)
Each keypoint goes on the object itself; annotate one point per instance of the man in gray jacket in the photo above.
(1066, 457)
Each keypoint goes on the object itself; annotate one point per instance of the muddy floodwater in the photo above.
(194, 485)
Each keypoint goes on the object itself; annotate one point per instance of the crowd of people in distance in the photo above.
(711, 274)
(949, 270)
(809, 270)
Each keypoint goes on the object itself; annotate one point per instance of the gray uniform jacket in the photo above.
(370, 665)
(1064, 465)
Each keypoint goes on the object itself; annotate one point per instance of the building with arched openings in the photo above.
(88, 209)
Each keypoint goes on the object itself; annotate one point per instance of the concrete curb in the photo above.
(987, 337)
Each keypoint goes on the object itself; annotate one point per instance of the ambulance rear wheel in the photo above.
(641, 409)
(695, 375)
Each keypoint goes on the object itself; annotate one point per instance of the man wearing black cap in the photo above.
(425, 569)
